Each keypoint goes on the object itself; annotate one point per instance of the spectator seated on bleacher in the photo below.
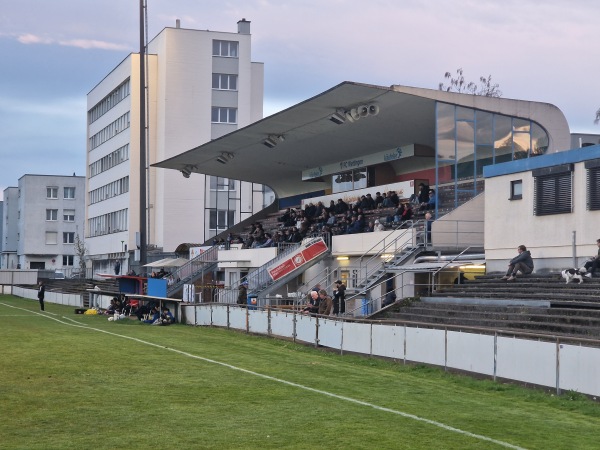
(378, 200)
(248, 243)
(430, 204)
(378, 226)
(341, 207)
(403, 214)
(357, 225)
(331, 208)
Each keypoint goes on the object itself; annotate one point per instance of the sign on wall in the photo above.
(303, 255)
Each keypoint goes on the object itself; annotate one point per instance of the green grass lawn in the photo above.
(81, 382)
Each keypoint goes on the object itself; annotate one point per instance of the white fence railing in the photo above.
(555, 362)
(50, 297)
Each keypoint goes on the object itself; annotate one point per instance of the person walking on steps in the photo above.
(522, 262)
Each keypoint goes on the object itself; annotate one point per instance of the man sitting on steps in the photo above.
(522, 262)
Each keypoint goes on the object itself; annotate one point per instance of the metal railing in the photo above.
(191, 269)
(257, 279)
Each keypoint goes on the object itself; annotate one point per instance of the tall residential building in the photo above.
(201, 85)
(42, 219)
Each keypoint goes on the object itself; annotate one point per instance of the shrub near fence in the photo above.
(553, 362)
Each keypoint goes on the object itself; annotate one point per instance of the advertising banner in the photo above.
(303, 255)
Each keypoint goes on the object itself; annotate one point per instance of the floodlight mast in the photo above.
(142, 193)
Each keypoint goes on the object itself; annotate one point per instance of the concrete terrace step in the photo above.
(563, 329)
(537, 315)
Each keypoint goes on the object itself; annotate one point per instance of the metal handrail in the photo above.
(183, 274)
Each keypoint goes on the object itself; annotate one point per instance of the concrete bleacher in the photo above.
(537, 303)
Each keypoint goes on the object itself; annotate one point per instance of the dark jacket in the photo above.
(523, 257)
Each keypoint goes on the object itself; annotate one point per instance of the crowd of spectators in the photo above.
(367, 214)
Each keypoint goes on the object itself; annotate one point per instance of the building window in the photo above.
(222, 184)
(516, 190)
(224, 81)
(220, 220)
(69, 192)
(225, 48)
(51, 215)
(69, 215)
(553, 190)
(67, 260)
(224, 115)
(68, 238)
(51, 192)
(51, 237)
(593, 184)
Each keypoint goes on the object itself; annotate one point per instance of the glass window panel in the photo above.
(445, 132)
(503, 138)
(216, 48)
(485, 157)
(521, 145)
(521, 125)
(539, 140)
(213, 220)
(465, 113)
(232, 115)
(215, 115)
(485, 135)
(233, 82)
(215, 81)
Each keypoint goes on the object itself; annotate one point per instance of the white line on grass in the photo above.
(279, 380)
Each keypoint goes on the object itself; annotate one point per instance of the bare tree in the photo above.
(81, 251)
(597, 117)
(486, 86)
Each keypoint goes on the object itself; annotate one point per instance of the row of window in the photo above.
(224, 81)
(225, 48)
(107, 223)
(553, 189)
(223, 115)
(68, 215)
(109, 161)
(109, 102)
(52, 238)
(52, 192)
(109, 131)
(109, 190)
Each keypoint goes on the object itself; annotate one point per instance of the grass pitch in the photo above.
(70, 382)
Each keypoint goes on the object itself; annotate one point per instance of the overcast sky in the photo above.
(54, 52)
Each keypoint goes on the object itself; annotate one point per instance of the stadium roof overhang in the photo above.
(406, 115)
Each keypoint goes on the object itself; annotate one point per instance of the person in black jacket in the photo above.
(522, 262)
(41, 293)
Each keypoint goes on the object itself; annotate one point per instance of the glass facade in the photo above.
(468, 139)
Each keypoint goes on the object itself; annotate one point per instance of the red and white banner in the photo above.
(304, 254)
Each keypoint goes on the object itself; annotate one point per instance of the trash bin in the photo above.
(252, 301)
(365, 307)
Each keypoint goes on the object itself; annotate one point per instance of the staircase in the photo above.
(188, 273)
(261, 282)
(538, 303)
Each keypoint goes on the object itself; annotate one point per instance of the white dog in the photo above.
(573, 274)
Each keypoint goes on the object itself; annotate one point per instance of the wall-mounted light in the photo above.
(273, 140)
(354, 114)
(342, 258)
(338, 117)
(225, 157)
(187, 170)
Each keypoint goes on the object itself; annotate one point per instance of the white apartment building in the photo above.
(42, 219)
(201, 85)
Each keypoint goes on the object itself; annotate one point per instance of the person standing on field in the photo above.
(41, 293)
